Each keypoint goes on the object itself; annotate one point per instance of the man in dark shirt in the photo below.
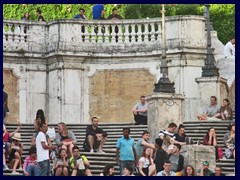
(114, 15)
(161, 155)
(81, 14)
(39, 14)
(218, 172)
(95, 137)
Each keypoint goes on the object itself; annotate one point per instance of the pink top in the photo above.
(29, 161)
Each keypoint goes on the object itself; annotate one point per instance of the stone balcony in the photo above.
(102, 38)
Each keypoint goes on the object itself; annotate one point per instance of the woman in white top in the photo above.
(146, 165)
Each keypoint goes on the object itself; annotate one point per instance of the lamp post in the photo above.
(210, 68)
(164, 84)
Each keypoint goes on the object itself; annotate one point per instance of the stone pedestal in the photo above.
(211, 86)
(163, 109)
(196, 154)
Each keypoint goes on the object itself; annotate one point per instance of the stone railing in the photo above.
(89, 37)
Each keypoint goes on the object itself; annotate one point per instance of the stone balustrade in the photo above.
(111, 36)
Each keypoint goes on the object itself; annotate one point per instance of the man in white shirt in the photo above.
(229, 49)
(43, 151)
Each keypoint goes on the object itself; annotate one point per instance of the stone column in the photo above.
(163, 109)
(196, 154)
(211, 86)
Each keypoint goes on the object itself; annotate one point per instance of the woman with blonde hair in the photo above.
(65, 138)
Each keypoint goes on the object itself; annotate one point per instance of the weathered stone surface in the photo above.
(10, 82)
(164, 108)
(196, 154)
(113, 93)
(211, 86)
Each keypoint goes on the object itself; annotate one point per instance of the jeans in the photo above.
(44, 168)
(33, 168)
(124, 163)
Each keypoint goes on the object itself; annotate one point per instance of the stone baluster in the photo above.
(101, 32)
(93, 34)
(139, 33)
(126, 33)
(152, 32)
(119, 35)
(145, 33)
(106, 35)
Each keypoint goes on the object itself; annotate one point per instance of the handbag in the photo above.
(220, 152)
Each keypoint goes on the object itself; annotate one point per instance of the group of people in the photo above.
(98, 13)
(143, 158)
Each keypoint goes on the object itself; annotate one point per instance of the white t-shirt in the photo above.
(145, 161)
(229, 50)
(42, 154)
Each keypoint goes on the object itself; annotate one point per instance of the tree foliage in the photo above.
(222, 15)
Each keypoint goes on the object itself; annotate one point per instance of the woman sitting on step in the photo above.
(210, 139)
(15, 153)
(65, 138)
(226, 111)
(146, 164)
(229, 141)
(60, 164)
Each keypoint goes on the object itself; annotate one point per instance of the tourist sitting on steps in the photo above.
(30, 166)
(65, 138)
(15, 153)
(226, 111)
(212, 112)
(79, 164)
(95, 137)
(218, 172)
(146, 164)
(229, 142)
(140, 111)
(189, 171)
(177, 159)
(167, 169)
(108, 170)
(204, 170)
(210, 139)
(60, 165)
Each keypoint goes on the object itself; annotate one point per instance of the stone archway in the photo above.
(10, 82)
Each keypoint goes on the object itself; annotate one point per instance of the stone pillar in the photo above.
(164, 108)
(211, 86)
(196, 154)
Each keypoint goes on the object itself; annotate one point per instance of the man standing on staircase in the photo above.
(95, 137)
(125, 146)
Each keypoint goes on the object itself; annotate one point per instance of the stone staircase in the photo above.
(194, 129)
(97, 161)
(197, 129)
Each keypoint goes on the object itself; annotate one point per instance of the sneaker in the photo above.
(5, 167)
(20, 169)
(101, 151)
(15, 172)
(91, 151)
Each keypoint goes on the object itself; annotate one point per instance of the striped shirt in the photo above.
(29, 161)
